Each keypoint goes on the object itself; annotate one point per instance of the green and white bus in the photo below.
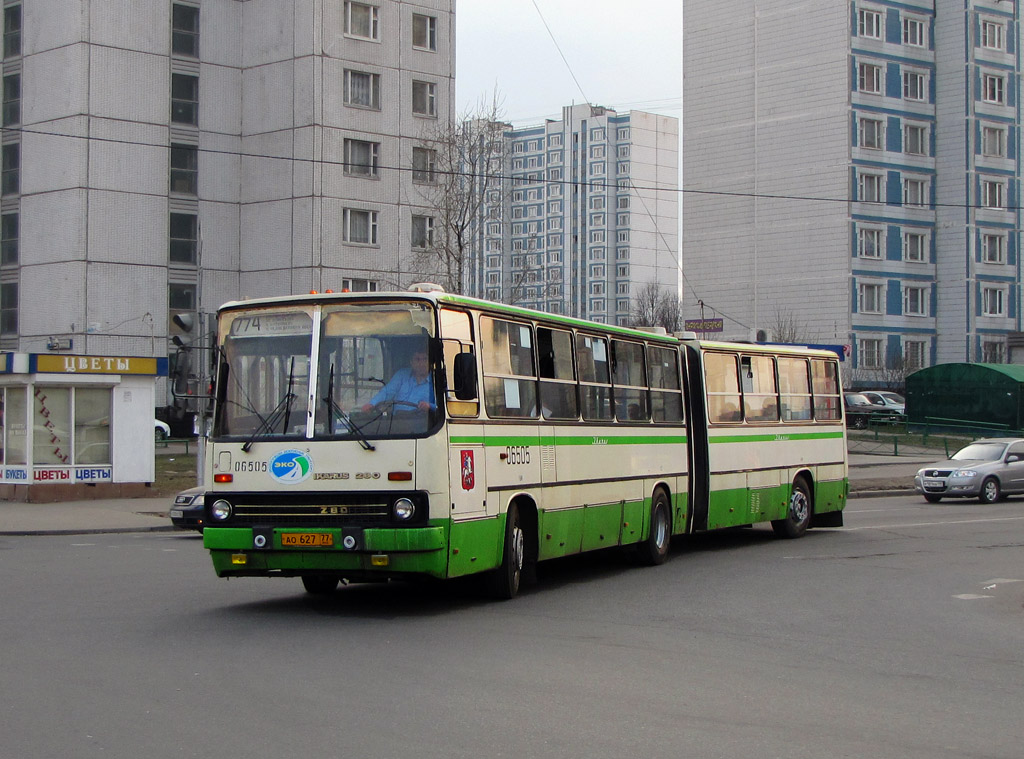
(532, 436)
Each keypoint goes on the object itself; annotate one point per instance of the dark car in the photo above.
(187, 511)
(860, 412)
(986, 469)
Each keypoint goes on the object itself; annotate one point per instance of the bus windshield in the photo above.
(373, 375)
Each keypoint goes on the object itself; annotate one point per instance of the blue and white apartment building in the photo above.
(871, 150)
(590, 215)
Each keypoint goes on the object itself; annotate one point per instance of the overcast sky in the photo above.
(626, 56)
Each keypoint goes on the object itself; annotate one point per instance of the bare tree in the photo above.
(786, 328)
(460, 170)
(655, 306)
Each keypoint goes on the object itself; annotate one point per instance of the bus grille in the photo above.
(312, 516)
(366, 509)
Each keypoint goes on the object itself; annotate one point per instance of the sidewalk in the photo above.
(869, 476)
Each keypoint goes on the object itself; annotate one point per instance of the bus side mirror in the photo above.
(465, 377)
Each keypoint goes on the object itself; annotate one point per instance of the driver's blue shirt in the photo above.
(403, 386)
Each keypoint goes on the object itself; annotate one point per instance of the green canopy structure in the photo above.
(985, 395)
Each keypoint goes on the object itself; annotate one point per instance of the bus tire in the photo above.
(798, 512)
(654, 549)
(320, 585)
(506, 579)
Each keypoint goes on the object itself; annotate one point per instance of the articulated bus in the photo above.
(533, 436)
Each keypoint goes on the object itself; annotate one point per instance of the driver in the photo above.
(411, 385)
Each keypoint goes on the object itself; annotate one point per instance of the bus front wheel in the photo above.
(654, 550)
(798, 513)
(505, 580)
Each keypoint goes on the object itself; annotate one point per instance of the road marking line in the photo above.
(971, 596)
(1000, 581)
(932, 524)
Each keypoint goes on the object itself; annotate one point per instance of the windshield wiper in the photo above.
(283, 410)
(333, 408)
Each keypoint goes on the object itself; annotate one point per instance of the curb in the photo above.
(91, 531)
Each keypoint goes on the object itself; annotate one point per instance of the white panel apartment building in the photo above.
(164, 156)
(868, 156)
(591, 215)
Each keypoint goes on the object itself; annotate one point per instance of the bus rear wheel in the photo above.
(320, 585)
(505, 580)
(654, 550)
(798, 513)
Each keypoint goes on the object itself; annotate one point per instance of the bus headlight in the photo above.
(220, 510)
(404, 509)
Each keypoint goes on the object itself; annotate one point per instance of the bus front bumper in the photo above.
(289, 552)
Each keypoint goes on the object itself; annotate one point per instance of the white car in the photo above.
(161, 430)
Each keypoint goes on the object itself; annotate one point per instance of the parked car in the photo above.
(860, 411)
(893, 401)
(161, 430)
(986, 469)
(187, 511)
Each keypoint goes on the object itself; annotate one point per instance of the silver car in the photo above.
(986, 469)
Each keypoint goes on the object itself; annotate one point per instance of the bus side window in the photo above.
(630, 381)
(557, 378)
(794, 389)
(825, 386)
(723, 387)
(510, 381)
(457, 337)
(760, 398)
(663, 372)
(595, 377)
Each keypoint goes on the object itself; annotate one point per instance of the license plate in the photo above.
(307, 539)
(176, 513)
(934, 483)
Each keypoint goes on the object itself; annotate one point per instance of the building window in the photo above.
(870, 353)
(993, 193)
(869, 78)
(913, 85)
(869, 243)
(597, 151)
(597, 134)
(362, 89)
(870, 298)
(9, 308)
(10, 179)
(12, 31)
(992, 35)
(359, 285)
(424, 32)
(914, 301)
(181, 297)
(424, 98)
(185, 30)
(184, 238)
(915, 192)
(360, 226)
(993, 352)
(422, 231)
(622, 133)
(423, 163)
(871, 134)
(184, 169)
(869, 24)
(12, 99)
(869, 188)
(914, 247)
(913, 32)
(993, 88)
(993, 301)
(993, 141)
(993, 249)
(9, 239)
(915, 139)
(361, 20)
(184, 99)
(913, 354)
(361, 158)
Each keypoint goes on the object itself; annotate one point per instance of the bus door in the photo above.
(697, 428)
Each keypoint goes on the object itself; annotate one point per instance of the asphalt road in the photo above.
(899, 635)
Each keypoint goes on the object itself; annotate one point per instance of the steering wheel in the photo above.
(386, 405)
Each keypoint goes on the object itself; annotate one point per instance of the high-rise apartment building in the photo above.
(853, 169)
(163, 157)
(588, 218)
